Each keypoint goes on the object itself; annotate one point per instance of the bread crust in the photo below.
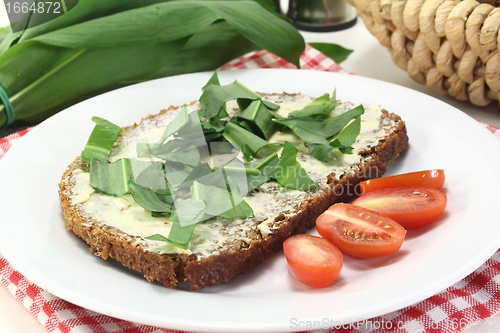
(170, 269)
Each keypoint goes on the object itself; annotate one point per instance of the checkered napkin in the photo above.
(470, 302)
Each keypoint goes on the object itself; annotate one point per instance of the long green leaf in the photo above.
(18, 28)
(87, 10)
(158, 23)
(25, 63)
(172, 20)
(4, 32)
(42, 12)
(57, 75)
(8, 39)
(279, 38)
(334, 51)
(207, 50)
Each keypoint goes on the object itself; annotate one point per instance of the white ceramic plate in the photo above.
(34, 240)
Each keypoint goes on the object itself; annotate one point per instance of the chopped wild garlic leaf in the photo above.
(113, 178)
(189, 212)
(346, 138)
(250, 144)
(174, 126)
(316, 133)
(110, 178)
(259, 119)
(214, 80)
(244, 176)
(320, 106)
(290, 173)
(101, 140)
(221, 202)
(185, 217)
(214, 96)
(150, 200)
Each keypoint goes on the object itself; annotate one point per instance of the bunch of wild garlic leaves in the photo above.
(100, 45)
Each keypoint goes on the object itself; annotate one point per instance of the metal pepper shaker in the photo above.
(319, 15)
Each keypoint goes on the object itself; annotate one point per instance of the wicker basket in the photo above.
(450, 46)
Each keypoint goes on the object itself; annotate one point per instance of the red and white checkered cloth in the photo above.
(469, 302)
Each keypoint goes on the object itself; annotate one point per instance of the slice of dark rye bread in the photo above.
(221, 249)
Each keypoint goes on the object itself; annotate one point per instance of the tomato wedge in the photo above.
(360, 232)
(428, 178)
(411, 207)
(312, 260)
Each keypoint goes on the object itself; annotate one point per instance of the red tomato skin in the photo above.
(400, 207)
(330, 223)
(307, 272)
(429, 178)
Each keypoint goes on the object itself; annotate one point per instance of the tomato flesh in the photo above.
(312, 260)
(428, 178)
(411, 207)
(360, 232)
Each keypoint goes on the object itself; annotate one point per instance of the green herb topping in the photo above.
(101, 140)
(172, 180)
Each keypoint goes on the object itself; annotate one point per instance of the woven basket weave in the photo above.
(450, 46)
